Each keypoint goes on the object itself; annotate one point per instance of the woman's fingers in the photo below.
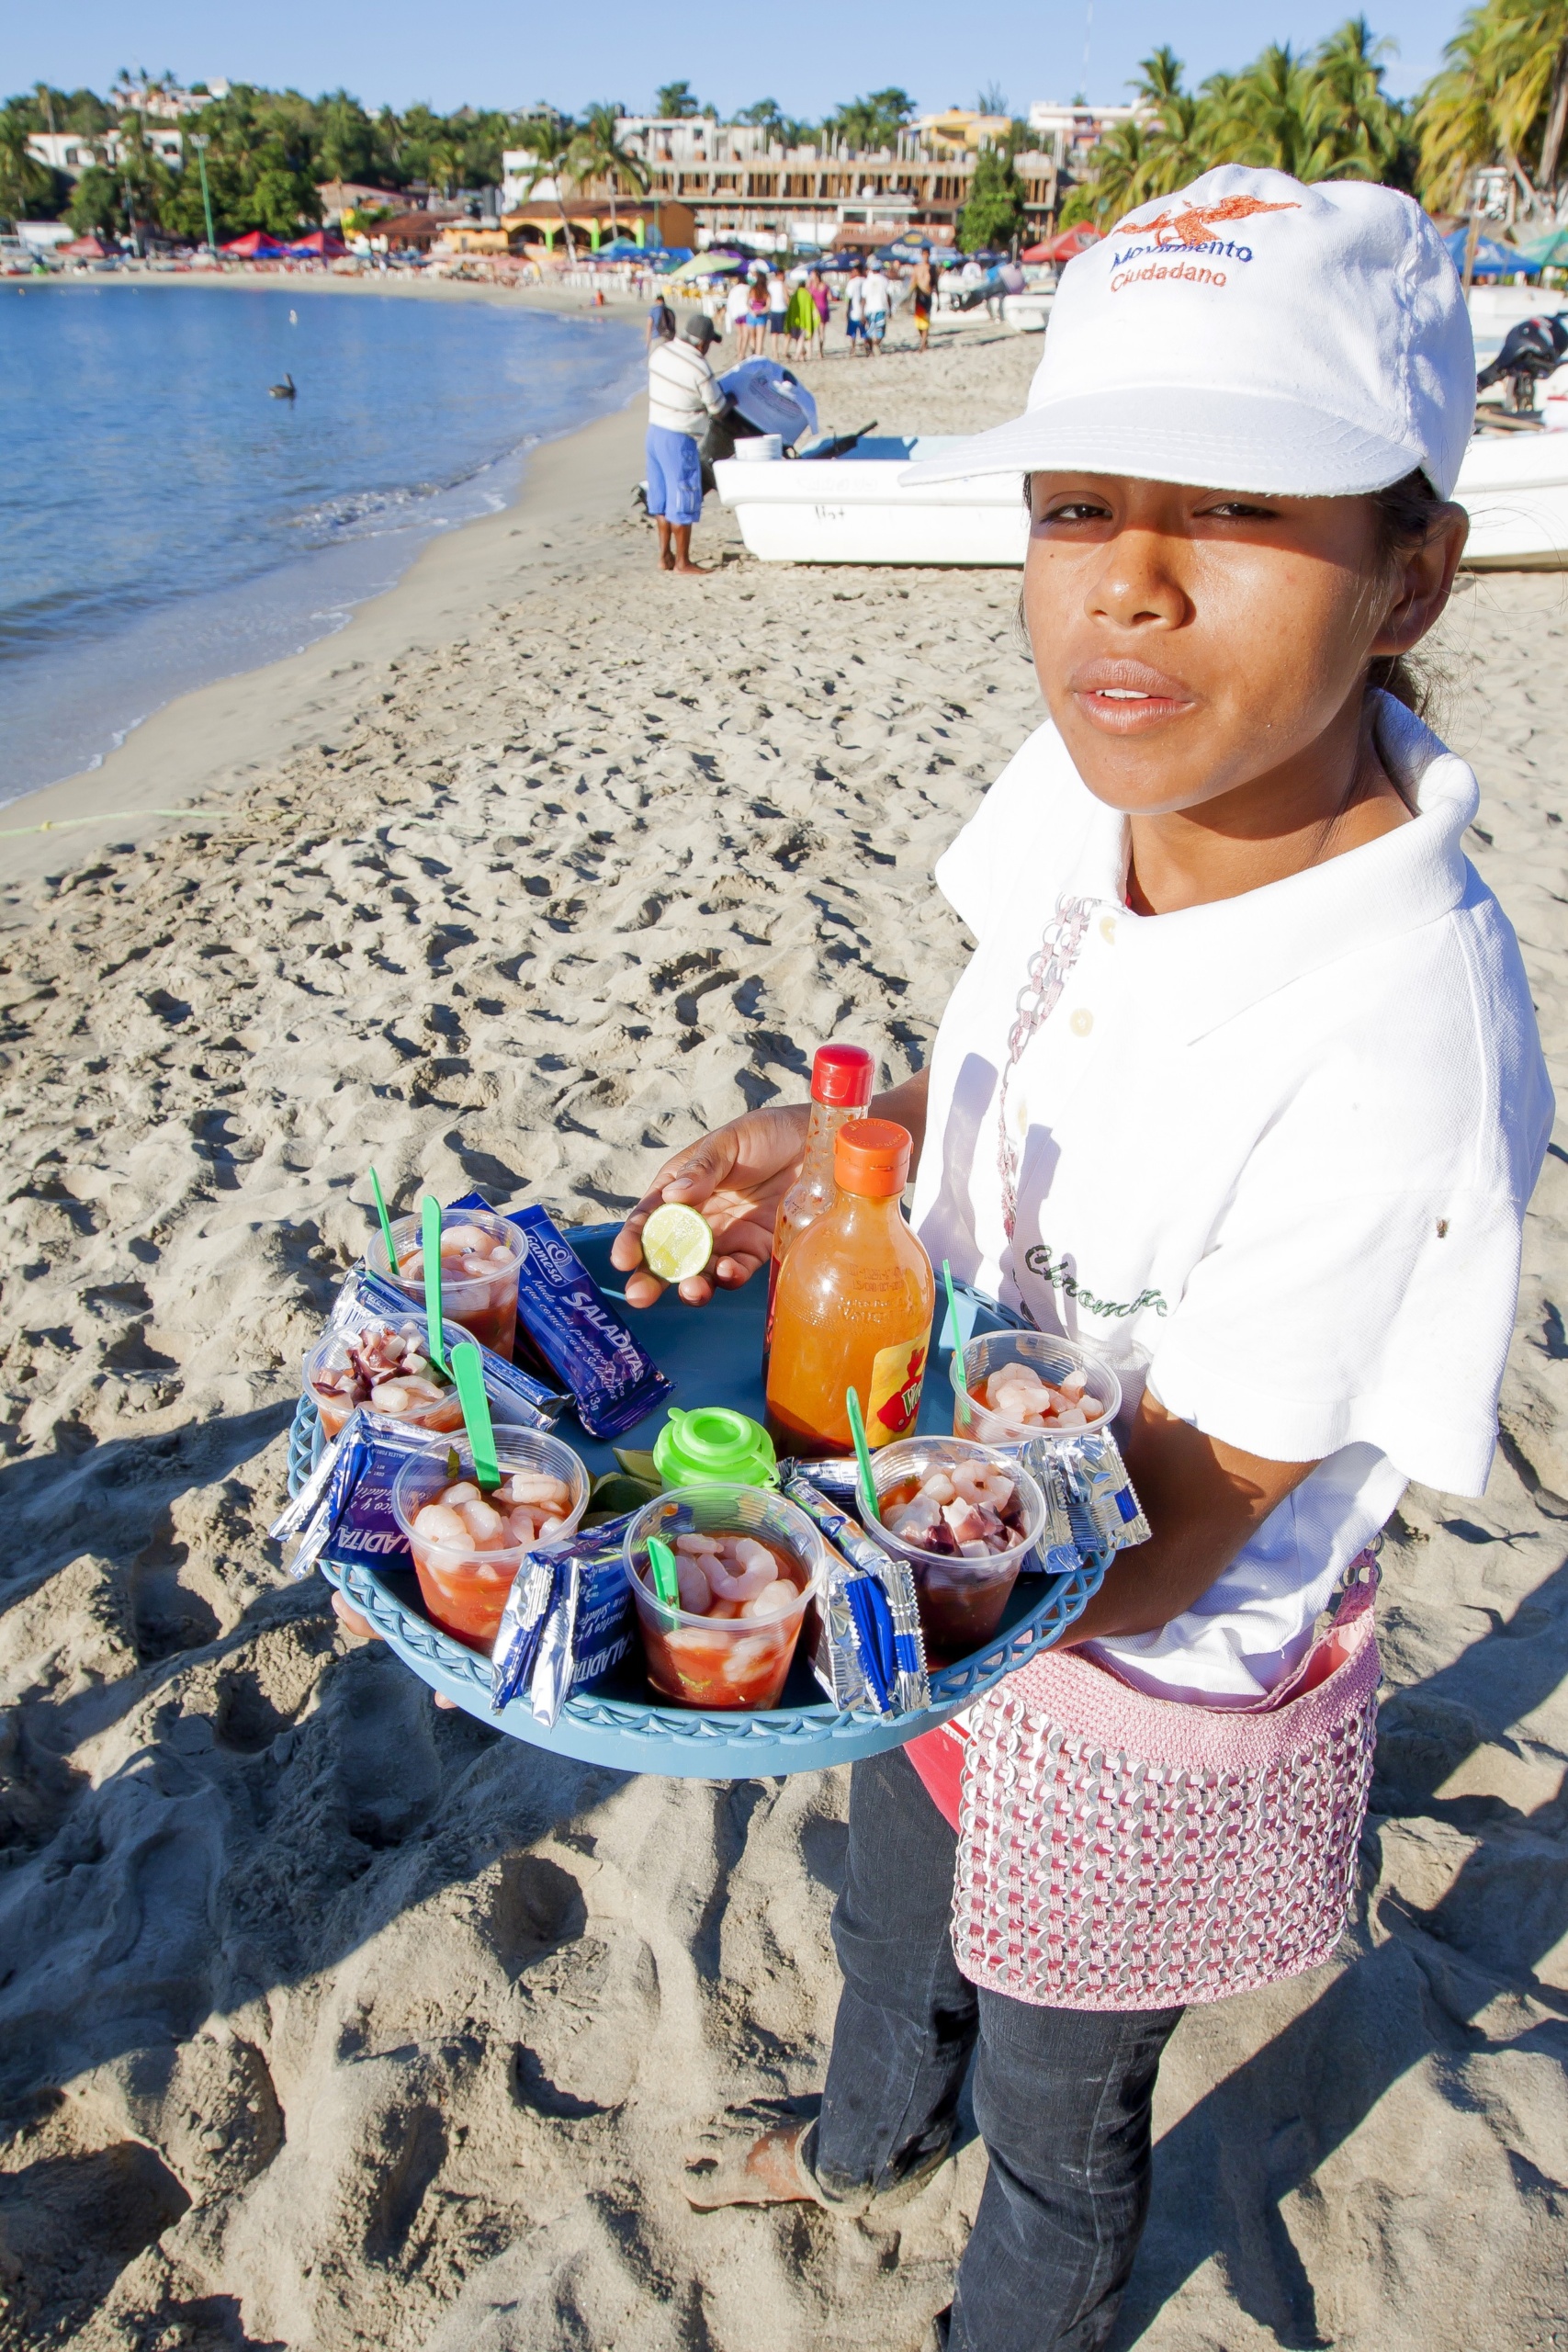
(351, 1621)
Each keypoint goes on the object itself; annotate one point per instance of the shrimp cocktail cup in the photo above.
(749, 1565)
(966, 1517)
(480, 1256)
(468, 1542)
(1009, 1387)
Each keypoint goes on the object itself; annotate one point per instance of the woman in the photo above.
(802, 320)
(817, 285)
(1242, 1085)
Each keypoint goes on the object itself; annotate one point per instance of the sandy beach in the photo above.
(327, 2020)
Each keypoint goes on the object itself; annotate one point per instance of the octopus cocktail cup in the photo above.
(961, 1594)
(480, 1256)
(467, 1545)
(1093, 1387)
(751, 1564)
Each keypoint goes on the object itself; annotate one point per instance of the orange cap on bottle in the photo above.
(871, 1156)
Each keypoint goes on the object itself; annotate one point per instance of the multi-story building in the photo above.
(74, 151)
(737, 181)
(1069, 134)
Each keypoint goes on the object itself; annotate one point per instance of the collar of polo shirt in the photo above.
(1215, 960)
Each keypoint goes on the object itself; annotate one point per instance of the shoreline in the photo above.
(213, 739)
(568, 300)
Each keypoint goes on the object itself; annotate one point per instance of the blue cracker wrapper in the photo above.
(569, 1620)
(614, 1381)
(870, 1652)
(1090, 1503)
(343, 1511)
(367, 1297)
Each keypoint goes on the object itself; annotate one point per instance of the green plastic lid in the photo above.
(716, 1447)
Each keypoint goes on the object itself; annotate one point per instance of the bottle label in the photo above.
(897, 1373)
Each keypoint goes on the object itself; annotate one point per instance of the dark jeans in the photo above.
(1062, 2096)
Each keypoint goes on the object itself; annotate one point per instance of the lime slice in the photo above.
(676, 1242)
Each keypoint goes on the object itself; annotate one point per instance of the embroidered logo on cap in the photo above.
(1185, 235)
(1192, 224)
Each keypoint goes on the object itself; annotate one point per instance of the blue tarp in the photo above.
(1492, 259)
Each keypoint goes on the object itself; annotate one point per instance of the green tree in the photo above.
(1501, 99)
(597, 154)
(24, 182)
(872, 121)
(994, 214)
(1325, 114)
(676, 102)
(551, 143)
(95, 206)
(991, 99)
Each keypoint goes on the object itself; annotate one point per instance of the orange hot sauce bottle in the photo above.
(841, 1080)
(854, 1306)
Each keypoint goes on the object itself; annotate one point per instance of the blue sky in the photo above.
(807, 57)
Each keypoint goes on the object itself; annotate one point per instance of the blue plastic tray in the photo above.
(714, 1358)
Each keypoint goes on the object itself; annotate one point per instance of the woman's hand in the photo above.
(737, 1177)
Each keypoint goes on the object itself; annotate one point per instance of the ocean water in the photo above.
(163, 523)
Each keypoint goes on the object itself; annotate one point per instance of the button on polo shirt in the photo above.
(1272, 1157)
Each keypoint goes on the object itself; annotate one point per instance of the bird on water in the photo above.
(284, 391)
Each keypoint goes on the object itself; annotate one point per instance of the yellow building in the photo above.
(960, 130)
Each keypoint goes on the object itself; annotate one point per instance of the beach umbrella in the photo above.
(322, 244)
(706, 266)
(254, 245)
(1492, 258)
(1549, 252)
(1063, 248)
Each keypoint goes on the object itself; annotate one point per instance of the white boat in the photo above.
(1515, 486)
(856, 509)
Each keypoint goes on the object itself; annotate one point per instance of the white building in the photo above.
(1067, 131)
(73, 152)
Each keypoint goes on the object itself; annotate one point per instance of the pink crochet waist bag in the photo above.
(1122, 1852)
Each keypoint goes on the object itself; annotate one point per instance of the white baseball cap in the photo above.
(1252, 333)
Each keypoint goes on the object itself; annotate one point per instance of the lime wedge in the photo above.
(676, 1242)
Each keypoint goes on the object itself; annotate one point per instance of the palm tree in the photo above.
(598, 154)
(551, 141)
(1504, 86)
(24, 183)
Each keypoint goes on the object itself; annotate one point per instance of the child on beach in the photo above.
(1242, 1086)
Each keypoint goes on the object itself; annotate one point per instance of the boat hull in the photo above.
(850, 510)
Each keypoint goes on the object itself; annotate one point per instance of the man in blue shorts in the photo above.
(682, 393)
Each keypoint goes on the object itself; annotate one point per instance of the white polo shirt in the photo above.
(1272, 1156)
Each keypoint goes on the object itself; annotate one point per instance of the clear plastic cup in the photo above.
(1055, 1360)
(735, 1663)
(465, 1585)
(486, 1304)
(442, 1412)
(960, 1599)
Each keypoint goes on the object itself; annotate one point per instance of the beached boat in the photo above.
(1515, 486)
(858, 509)
(855, 509)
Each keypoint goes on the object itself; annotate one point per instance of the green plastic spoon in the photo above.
(666, 1583)
(863, 1455)
(386, 1228)
(429, 1246)
(469, 1372)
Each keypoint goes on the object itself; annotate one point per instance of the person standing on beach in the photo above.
(923, 293)
(1243, 1089)
(854, 311)
(683, 394)
(817, 287)
(661, 322)
(734, 315)
(878, 302)
(778, 309)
